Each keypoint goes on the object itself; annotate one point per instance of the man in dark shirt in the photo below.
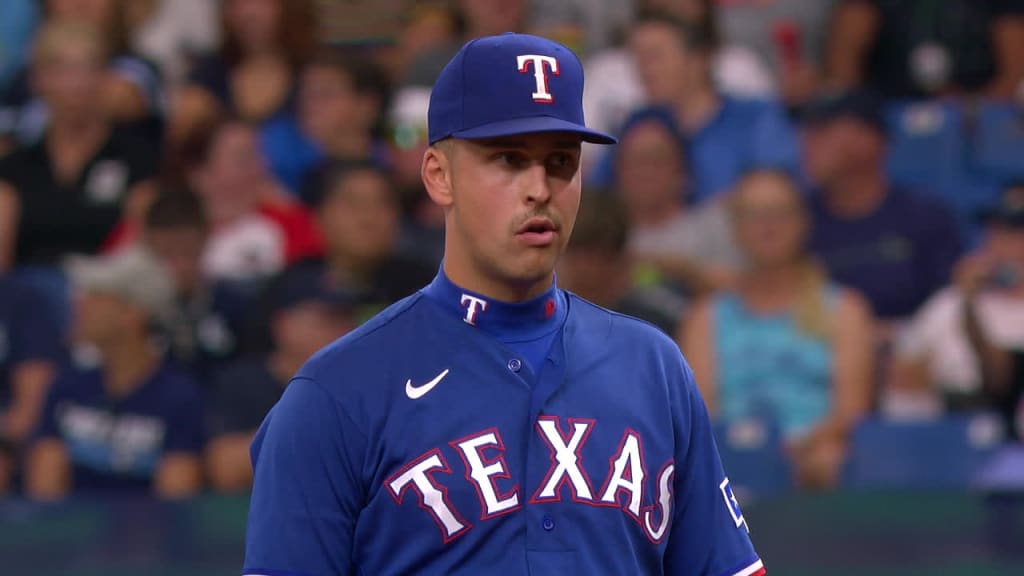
(308, 313)
(893, 246)
(203, 333)
(124, 420)
(357, 209)
(67, 192)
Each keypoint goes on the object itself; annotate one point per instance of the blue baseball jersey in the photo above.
(427, 442)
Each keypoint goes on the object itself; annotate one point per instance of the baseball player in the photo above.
(493, 423)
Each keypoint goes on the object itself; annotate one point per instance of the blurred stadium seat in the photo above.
(752, 453)
(929, 153)
(998, 141)
(946, 453)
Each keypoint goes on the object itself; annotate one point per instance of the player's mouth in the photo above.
(538, 231)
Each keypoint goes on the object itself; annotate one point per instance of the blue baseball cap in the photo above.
(506, 85)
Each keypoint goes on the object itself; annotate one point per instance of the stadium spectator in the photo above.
(30, 351)
(597, 266)
(129, 422)
(308, 313)
(203, 333)
(787, 36)
(614, 89)
(423, 236)
(957, 344)
(787, 345)
(920, 48)
(894, 247)
(585, 26)
(692, 247)
(131, 91)
(66, 192)
(476, 18)
(427, 25)
(255, 228)
(172, 33)
(727, 136)
(358, 211)
(338, 116)
(264, 44)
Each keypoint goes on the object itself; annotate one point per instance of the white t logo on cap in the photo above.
(539, 74)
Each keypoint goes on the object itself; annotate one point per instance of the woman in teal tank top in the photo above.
(786, 345)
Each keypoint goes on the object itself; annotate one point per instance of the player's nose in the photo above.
(536, 185)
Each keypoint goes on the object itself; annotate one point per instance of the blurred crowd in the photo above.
(822, 201)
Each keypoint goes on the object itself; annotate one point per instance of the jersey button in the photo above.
(515, 365)
(548, 524)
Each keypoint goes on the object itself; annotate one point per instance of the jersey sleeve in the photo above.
(709, 536)
(307, 489)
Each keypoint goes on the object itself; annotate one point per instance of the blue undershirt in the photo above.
(527, 328)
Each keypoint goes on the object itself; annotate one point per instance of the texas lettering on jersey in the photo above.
(482, 455)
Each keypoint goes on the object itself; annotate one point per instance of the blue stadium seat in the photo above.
(929, 153)
(998, 141)
(925, 143)
(753, 457)
(944, 453)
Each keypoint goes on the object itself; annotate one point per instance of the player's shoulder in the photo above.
(620, 330)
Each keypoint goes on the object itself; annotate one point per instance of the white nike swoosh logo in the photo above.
(416, 392)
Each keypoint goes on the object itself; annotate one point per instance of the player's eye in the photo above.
(562, 160)
(510, 158)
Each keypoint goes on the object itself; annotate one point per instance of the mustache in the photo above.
(521, 221)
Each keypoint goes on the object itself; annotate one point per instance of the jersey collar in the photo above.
(507, 320)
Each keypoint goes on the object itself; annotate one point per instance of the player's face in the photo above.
(770, 220)
(510, 208)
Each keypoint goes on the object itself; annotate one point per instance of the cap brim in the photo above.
(531, 126)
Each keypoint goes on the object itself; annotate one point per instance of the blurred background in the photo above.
(821, 201)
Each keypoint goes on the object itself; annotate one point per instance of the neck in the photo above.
(695, 107)
(283, 365)
(772, 286)
(857, 193)
(503, 291)
(126, 364)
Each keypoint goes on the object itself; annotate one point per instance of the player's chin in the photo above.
(537, 263)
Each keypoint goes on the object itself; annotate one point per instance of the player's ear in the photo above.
(437, 173)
